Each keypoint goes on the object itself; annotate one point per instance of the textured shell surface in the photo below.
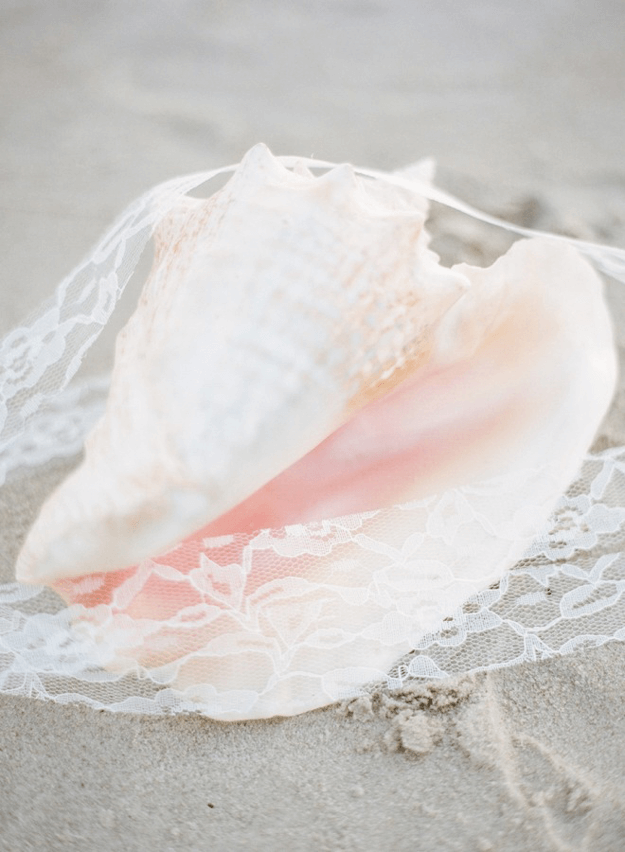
(318, 441)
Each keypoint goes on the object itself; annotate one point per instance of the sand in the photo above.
(523, 106)
(525, 759)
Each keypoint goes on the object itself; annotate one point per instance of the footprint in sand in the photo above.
(575, 812)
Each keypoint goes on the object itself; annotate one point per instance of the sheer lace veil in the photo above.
(566, 592)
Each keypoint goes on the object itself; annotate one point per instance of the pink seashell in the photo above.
(298, 354)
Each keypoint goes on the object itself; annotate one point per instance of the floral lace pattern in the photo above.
(566, 592)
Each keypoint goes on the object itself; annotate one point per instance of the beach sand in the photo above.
(522, 105)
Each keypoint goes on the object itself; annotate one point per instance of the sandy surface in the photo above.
(523, 106)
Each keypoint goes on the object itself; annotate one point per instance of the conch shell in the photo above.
(299, 354)
(274, 311)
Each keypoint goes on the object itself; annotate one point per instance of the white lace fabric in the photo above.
(273, 600)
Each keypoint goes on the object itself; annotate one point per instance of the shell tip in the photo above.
(340, 182)
(260, 162)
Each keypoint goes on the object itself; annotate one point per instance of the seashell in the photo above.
(275, 310)
(299, 354)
